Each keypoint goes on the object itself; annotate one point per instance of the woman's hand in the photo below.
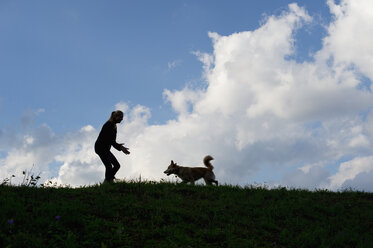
(125, 150)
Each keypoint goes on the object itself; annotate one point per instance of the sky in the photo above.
(278, 92)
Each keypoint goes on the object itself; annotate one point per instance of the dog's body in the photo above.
(192, 174)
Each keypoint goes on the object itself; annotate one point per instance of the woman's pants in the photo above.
(111, 164)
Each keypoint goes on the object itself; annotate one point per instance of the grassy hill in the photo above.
(169, 215)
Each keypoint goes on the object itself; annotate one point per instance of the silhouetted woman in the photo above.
(105, 140)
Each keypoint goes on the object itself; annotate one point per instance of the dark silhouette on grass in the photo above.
(105, 140)
(192, 174)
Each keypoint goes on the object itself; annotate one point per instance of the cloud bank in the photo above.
(310, 122)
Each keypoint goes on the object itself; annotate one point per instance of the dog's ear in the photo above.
(172, 162)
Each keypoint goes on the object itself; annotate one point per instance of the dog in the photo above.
(192, 174)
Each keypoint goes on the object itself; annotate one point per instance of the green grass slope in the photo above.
(169, 215)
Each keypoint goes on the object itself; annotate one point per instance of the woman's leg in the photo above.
(115, 164)
(105, 158)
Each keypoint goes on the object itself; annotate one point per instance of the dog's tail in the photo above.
(206, 162)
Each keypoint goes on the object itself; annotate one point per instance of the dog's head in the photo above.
(172, 169)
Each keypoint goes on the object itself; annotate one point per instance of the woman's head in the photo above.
(116, 116)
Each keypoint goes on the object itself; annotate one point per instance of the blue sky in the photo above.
(76, 59)
(283, 88)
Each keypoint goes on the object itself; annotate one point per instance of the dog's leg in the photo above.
(210, 181)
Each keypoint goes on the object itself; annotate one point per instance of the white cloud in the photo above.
(314, 177)
(349, 42)
(36, 149)
(173, 64)
(350, 169)
(258, 108)
(362, 182)
(182, 101)
(29, 116)
(80, 164)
